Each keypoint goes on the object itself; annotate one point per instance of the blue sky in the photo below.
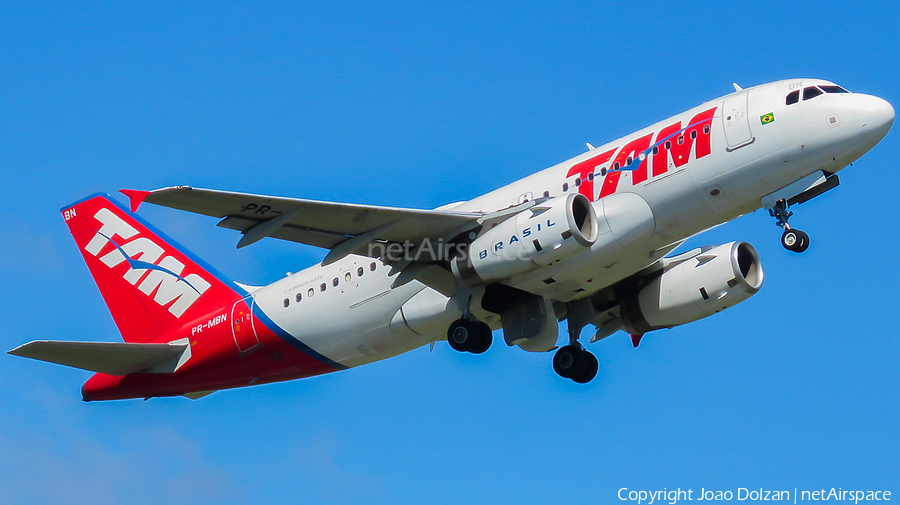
(418, 105)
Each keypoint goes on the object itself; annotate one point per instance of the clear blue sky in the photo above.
(417, 106)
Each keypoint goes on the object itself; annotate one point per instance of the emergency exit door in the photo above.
(242, 327)
(736, 122)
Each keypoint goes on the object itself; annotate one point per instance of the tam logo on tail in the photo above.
(161, 274)
(152, 285)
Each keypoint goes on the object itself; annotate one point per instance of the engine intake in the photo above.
(544, 234)
(700, 286)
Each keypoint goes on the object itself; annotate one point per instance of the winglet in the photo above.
(636, 339)
(135, 196)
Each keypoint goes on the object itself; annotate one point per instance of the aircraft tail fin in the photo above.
(150, 283)
(111, 358)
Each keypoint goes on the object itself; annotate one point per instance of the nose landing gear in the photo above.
(792, 239)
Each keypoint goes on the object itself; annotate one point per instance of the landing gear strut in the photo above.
(792, 239)
(573, 361)
(468, 335)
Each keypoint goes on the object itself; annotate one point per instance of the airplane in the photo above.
(589, 241)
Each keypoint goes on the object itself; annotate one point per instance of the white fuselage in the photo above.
(358, 319)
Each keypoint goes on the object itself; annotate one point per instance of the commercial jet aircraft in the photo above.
(588, 241)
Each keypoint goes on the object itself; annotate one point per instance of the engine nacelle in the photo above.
(709, 282)
(539, 236)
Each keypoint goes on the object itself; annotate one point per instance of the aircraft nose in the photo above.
(876, 116)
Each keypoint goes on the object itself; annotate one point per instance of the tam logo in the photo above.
(671, 148)
(161, 274)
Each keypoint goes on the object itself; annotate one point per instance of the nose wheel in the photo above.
(573, 362)
(792, 239)
(467, 335)
(795, 240)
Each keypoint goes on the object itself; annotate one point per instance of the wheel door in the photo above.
(242, 325)
(736, 122)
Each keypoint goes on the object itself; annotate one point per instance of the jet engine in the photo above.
(711, 281)
(541, 235)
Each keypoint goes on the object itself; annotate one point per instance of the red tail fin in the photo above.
(149, 283)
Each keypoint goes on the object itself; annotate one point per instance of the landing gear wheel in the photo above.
(485, 339)
(804, 241)
(795, 240)
(569, 361)
(463, 334)
(590, 369)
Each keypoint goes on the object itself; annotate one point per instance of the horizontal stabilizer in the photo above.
(112, 358)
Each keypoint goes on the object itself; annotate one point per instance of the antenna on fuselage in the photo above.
(589, 146)
(736, 87)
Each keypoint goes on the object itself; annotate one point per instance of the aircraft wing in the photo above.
(343, 228)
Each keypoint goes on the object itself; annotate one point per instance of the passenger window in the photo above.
(628, 161)
(347, 277)
(680, 139)
(310, 293)
(287, 301)
(335, 282)
(811, 92)
(591, 176)
(372, 266)
(792, 98)
(359, 271)
(578, 181)
(668, 145)
(833, 89)
(615, 166)
(655, 150)
(565, 187)
(322, 287)
(693, 134)
(706, 129)
(299, 297)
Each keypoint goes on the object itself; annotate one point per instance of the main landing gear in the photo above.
(792, 239)
(468, 335)
(573, 361)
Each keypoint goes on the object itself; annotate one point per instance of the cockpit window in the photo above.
(833, 89)
(792, 98)
(811, 92)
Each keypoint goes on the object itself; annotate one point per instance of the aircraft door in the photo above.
(736, 122)
(242, 328)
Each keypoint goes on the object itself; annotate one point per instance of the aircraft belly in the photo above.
(376, 338)
(427, 313)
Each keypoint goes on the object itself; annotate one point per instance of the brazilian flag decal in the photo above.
(767, 118)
